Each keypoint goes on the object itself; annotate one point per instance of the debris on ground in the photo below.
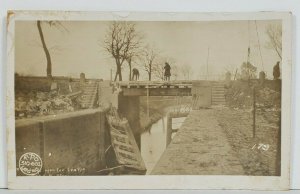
(33, 104)
(268, 98)
(240, 95)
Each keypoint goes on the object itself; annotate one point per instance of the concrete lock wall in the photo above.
(68, 144)
(202, 94)
(28, 136)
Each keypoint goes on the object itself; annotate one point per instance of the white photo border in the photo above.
(152, 181)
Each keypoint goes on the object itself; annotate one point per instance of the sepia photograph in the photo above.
(116, 97)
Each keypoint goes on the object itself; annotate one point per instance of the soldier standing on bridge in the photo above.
(167, 74)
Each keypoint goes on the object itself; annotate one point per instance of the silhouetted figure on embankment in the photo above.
(276, 71)
(167, 73)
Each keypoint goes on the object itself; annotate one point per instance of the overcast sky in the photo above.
(79, 48)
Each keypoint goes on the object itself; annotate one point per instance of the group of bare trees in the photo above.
(149, 60)
(127, 46)
(123, 42)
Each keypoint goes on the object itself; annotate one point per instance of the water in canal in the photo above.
(153, 142)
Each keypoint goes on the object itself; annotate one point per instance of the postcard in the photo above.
(140, 100)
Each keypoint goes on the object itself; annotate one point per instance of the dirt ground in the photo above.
(258, 155)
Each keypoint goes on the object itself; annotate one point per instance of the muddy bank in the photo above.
(258, 155)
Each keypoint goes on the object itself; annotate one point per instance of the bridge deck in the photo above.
(200, 147)
(155, 88)
(154, 84)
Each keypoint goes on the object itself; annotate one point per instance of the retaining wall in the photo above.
(68, 144)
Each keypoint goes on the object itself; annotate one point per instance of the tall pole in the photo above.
(207, 63)
(262, 62)
(254, 112)
(248, 54)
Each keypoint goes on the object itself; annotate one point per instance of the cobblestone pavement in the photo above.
(200, 147)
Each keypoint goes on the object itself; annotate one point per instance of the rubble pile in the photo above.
(33, 104)
(239, 97)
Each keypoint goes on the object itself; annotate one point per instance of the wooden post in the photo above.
(278, 154)
(169, 130)
(254, 110)
(82, 81)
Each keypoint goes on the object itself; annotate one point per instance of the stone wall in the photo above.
(28, 139)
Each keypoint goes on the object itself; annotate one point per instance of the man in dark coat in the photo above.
(167, 73)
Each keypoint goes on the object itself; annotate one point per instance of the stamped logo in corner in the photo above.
(30, 164)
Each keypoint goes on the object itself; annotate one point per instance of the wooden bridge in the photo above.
(155, 88)
(205, 93)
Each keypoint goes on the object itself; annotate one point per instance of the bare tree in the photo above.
(158, 70)
(274, 33)
(45, 48)
(133, 47)
(122, 41)
(248, 71)
(149, 61)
